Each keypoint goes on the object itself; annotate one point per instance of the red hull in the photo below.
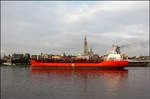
(102, 65)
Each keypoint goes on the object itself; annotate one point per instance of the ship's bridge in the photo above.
(114, 54)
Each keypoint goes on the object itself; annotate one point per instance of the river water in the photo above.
(19, 82)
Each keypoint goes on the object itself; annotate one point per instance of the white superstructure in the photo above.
(114, 54)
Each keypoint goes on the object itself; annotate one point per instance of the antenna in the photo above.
(116, 43)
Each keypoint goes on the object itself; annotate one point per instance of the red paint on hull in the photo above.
(102, 65)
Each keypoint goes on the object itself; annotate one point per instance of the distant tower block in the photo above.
(85, 47)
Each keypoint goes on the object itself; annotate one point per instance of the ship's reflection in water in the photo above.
(82, 83)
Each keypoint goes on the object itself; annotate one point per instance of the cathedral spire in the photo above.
(85, 47)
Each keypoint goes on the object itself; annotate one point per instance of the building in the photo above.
(90, 53)
(79, 56)
(17, 56)
(85, 47)
(27, 55)
(86, 54)
(63, 54)
(57, 57)
(34, 56)
(47, 56)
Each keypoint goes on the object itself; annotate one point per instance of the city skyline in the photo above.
(57, 27)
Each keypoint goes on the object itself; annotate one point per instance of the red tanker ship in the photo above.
(102, 65)
(114, 60)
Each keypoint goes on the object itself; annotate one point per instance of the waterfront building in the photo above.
(63, 54)
(41, 55)
(86, 54)
(45, 56)
(50, 56)
(79, 56)
(144, 58)
(17, 56)
(85, 47)
(27, 55)
(34, 56)
(56, 57)
(90, 53)
(6, 57)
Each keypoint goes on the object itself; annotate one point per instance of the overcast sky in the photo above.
(57, 27)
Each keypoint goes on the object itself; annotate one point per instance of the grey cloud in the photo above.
(36, 26)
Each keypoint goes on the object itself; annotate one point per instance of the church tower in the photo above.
(85, 47)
